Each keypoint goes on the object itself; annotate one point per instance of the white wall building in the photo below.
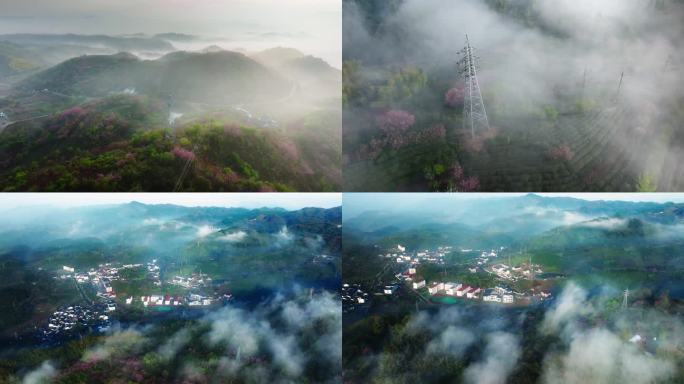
(435, 287)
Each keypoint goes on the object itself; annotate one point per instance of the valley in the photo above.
(81, 279)
(73, 119)
(424, 284)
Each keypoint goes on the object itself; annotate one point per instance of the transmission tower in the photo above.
(625, 297)
(474, 113)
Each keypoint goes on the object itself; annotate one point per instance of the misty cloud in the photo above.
(500, 356)
(119, 343)
(255, 333)
(599, 356)
(452, 340)
(570, 305)
(233, 237)
(170, 348)
(527, 67)
(284, 235)
(276, 341)
(605, 223)
(602, 353)
(43, 374)
(205, 230)
(312, 26)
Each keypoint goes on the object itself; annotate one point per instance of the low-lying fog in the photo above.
(312, 26)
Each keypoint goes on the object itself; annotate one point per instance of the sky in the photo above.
(290, 201)
(313, 26)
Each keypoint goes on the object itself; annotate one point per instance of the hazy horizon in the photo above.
(314, 27)
(289, 201)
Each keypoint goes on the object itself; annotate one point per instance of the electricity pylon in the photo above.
(474, 113)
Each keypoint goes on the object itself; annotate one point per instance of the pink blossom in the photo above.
(454, 97)
(435, 133)
(75, 111)
(371, 150)
(183, 153)
(561, 152)
(469, 184)
(395, 121)
(457, 172)
(289, 148)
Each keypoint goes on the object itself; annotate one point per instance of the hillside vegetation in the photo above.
(121, 143)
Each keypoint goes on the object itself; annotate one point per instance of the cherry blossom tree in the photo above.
(395, 121)
(454, 97)
(183, 153)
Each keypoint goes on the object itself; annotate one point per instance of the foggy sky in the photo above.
(290, 201)
(313, 26)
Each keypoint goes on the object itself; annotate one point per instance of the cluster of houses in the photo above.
(498, 295)
(194, 281)
(153, 270)
(100, 278)
(353, 296)
(195, 300)
(401, 256)
(451, 289)
(157, 300)
(484, 257)
(69, 319)
(192, 300)
(514, 273)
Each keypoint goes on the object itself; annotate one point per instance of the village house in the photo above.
(473, 292)
(435, 287)
(490, 295)
(462, 290)
(451, 288)
(390, 289)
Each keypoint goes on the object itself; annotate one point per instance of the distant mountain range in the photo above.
(161, 227)
(210, 77)
(565, 235)
(511, 220)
